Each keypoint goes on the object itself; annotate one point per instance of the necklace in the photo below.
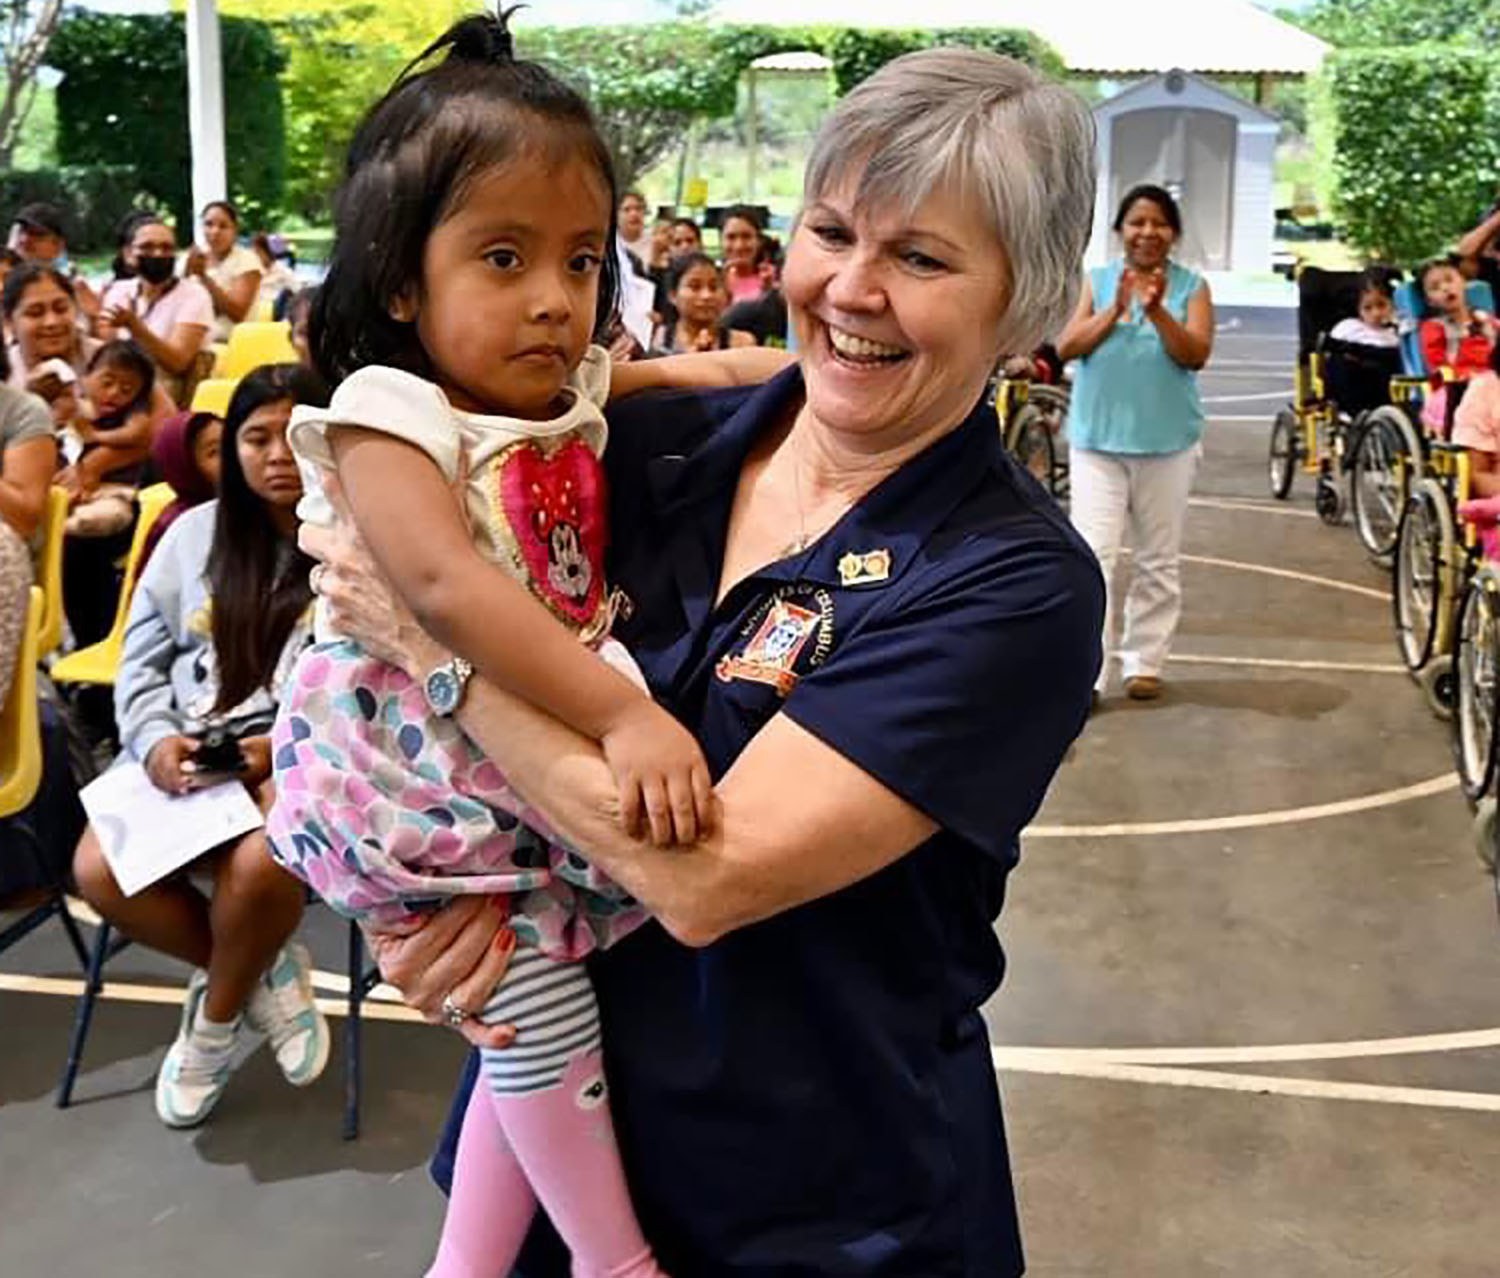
(804, 538)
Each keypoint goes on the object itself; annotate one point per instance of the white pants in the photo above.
(1146, 495)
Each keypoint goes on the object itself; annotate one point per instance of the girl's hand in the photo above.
(460, 952)
(257, 770)
(164, 765)
(658, 766)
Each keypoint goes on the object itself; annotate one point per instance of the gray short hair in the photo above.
(1022, 145)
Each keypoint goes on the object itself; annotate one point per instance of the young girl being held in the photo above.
(106, 440)
(464, 355)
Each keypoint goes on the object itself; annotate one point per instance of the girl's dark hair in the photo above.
(130, 358)
(1436, 264)
(24, 276)
(745, 213)
(415, 155)
(1159, 196)
(10, 257)
(257, 578)
(686, 263)
(687, 221)
(234, 213)
(1377, 280)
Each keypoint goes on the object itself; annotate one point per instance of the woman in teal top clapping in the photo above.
(1143, 328)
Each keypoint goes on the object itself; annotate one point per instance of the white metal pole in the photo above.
(752, 112)
(206, 103)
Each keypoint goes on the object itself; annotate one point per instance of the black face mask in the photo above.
(155, 270)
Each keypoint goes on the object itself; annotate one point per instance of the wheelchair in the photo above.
(1476, 676)
(1391, 453)
(1342, 393)
(1033, 418)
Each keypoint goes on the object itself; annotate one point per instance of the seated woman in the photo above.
(28, 456)
(1363, 351)
(229, 272)
(698, 302)
(215, 627)
(168, 317)
(277, 276)
(41, 311)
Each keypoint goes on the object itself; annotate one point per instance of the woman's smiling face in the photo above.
(46, 322)
(898, 317)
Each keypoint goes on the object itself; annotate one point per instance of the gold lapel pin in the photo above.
(865, 569)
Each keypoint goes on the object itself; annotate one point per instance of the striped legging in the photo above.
(551, 1003)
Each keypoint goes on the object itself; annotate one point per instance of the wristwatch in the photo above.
(444, 687)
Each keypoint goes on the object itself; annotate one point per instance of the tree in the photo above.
(647, 84)
(1351, 24)
(26, 27)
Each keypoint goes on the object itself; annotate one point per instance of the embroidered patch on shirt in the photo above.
(782, 631)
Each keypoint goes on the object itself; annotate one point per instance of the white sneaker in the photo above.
(197, 1065)
(282, 1008)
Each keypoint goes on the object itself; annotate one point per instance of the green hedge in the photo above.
(857, 55)
(1412, 137)
(92, 198)
(124, 98)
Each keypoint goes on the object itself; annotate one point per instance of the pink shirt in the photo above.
(187, 302)
(743, 288)
(1476, 423)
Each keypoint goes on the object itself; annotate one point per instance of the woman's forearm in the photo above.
(1082, 337)
(1472, 244)
(176, 359)
(1183, 345)
(563, 775)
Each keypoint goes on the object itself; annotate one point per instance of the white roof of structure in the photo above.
(793, 63)
(1220, 37)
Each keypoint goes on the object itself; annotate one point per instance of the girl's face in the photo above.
(510, 286)
(661, 239)
(1443, 287)
(741, 244)
(684, 239)
(112, 390)
(699, 297)
(1147, 235)
(266, 458)
(219, 232)
(632, 218)
(206, 444)
(1375, 309)
(45, 323)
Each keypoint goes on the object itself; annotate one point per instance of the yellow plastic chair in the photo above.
(213, 395)
(49, 569)
(262, 311)
(98, 662)
(252, 344)
(20, 722)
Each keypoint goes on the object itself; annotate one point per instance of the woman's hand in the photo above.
(1151, 289)
(361, 603)
(197, 262)
(459, 953)
(658, 767)
(165, 765)
(121, 317)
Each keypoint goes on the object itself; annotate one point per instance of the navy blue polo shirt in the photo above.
(814, 1094)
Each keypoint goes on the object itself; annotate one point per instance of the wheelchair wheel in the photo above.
(1426, 549)
(1477, 683)
(1030, 442)
(1386, 458)
(1329, 501)
(1484, 833)
(1439, 687)
(1285, 450)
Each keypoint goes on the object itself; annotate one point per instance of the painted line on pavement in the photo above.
(1260, 508)
(1282, 395)
(1289, 574)
(1287, 663)
(1270, 1053)
(1258, 1084)
(1250, 820)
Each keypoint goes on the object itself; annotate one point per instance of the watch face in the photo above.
(442, 691)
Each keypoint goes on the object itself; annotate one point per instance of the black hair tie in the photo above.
(485, 37)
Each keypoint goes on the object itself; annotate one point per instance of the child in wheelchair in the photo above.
(1476, 426)
(1456, 337)
(1362, 352)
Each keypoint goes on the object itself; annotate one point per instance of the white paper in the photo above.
(146, 833)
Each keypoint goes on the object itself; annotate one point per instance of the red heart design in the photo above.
(557, 507)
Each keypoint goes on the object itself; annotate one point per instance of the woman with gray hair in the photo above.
(883, 636)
